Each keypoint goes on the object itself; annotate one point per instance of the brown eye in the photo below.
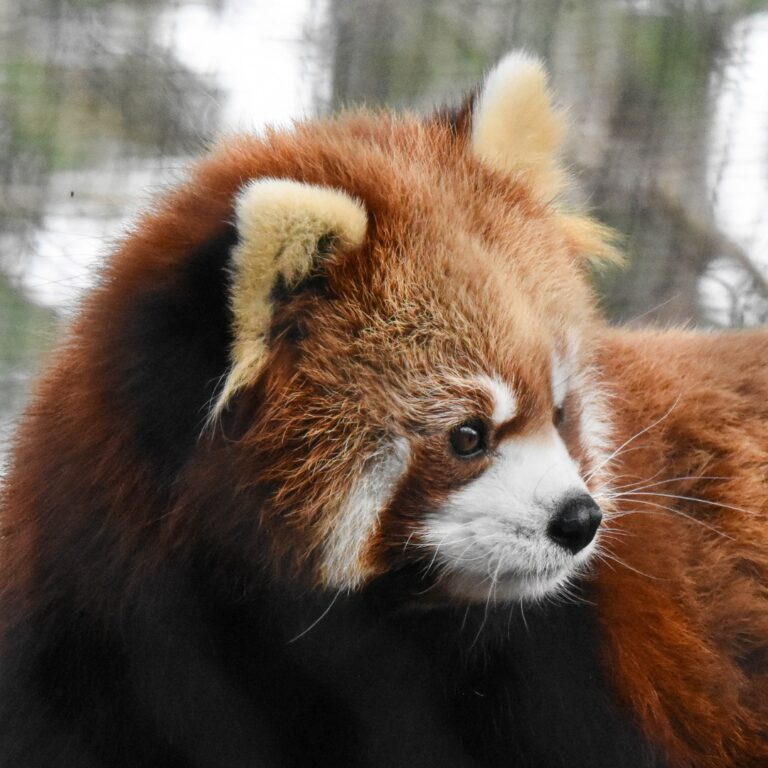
(558, 415)
(468, 439)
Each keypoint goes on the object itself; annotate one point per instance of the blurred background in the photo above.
(102, 103)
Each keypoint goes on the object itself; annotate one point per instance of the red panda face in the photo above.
(408, 332)
(523, 525)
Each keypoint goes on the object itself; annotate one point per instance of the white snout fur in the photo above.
(490, 537)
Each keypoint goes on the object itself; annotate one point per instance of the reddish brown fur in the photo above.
(467, 271)
(686, 617)
(399, 167)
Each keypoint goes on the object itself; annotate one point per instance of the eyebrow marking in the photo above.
(505, 403)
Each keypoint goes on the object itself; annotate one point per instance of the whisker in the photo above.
(627, 442)
(522, 614)
(674, 511)
(608, 556)
(464, 620)
(496, 579)
(435, 554)
(316, 621)
(482, 623)
(566, 593)
(639, 485)
(613, 533)
(433, 585)
(614, 478)
(688, 498)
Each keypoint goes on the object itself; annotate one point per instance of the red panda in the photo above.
(339, 465)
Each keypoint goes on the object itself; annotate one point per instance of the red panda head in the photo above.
(406, 375)
(411, 347)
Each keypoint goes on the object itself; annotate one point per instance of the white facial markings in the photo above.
(561, 375)
(596, 428)
(504, 399)
(356, 519)
(565, 366)
(594, 421)
(493, 532)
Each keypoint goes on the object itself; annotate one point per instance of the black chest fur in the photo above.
(191, 679)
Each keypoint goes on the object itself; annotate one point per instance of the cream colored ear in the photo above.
(279, 222)
(515, 127)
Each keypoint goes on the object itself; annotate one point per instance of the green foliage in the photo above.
(398, 53)
(753, 6)
(65, 6)
(72, 116)
(50, 114)
(27, 328)
(667, 55)
(431, 45)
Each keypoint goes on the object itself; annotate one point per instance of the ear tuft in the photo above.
(284, 228)
(516, 128)
(590, 241)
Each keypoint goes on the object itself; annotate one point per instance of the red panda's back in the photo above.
(684, 583)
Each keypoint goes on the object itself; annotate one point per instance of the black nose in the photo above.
(575, 523)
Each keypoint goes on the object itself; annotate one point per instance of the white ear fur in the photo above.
(515, 127)
(279, 222)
